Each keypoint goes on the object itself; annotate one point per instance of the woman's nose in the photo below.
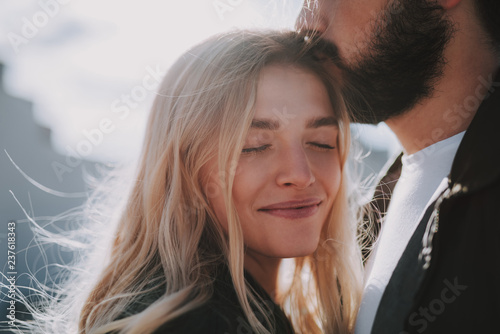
(310, 20)
(294, 169)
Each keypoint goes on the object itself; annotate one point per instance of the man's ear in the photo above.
(449, 4)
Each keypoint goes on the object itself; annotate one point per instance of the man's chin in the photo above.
(399, 66)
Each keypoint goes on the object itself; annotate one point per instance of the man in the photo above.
(427, 68)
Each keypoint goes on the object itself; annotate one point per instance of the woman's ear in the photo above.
(449, 4)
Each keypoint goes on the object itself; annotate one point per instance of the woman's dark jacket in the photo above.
(222, 314)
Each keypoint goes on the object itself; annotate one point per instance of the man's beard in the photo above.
(400, 64)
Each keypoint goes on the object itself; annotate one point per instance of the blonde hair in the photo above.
(168, 238)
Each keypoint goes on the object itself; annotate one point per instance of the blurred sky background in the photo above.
(73, 59)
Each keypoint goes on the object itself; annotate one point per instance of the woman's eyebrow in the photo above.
(322, 121)
(265, 124)
(273, 125)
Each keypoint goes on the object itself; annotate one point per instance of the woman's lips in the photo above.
(293, 209)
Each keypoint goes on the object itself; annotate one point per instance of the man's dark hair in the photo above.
(489, 14)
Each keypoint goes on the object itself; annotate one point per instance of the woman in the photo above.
(242, 166)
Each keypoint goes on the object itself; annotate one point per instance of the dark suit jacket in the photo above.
(448, 278)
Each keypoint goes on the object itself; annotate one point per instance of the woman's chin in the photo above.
(303, 251)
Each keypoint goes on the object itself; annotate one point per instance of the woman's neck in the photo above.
(265, 271)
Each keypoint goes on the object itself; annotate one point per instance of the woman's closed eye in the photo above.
(259, 149)
(321, 147)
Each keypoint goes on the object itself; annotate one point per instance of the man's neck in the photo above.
(467, 79)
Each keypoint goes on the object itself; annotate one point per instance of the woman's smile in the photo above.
(295, 209)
